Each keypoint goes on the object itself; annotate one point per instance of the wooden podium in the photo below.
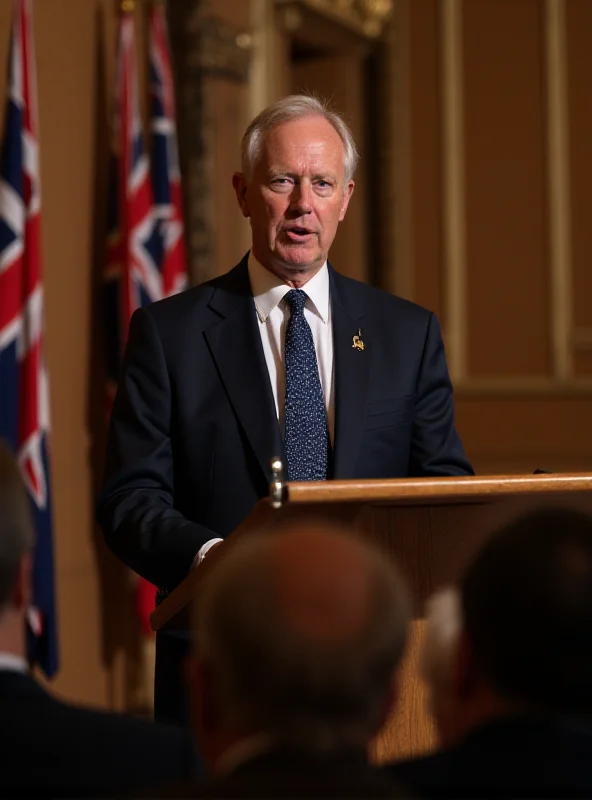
(431, 527)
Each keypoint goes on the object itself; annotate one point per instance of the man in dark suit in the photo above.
(49, 748)
(291, 684)
(281, 356)
(510, 668)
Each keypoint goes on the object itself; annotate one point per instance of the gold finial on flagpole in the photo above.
(127, 5)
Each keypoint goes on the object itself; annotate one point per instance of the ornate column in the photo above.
(202, 45)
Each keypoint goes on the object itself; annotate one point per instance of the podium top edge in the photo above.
(449, 488)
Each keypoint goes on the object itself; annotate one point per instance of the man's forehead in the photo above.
(291, 144)
(313, 129)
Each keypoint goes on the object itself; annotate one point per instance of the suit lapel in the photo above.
(235, 344)
(352, 374)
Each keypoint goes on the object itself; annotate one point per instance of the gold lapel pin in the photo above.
(358, 344)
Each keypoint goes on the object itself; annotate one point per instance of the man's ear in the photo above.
(349, 190)
(240, 185)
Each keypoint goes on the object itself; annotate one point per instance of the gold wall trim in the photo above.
(558, 171)
(453, 211)
(401, 274)
(365, 17)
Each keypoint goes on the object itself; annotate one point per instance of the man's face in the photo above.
(296, 197)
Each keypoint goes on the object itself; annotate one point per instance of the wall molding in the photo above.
(558, 188)
(453, 211)
(398, 249)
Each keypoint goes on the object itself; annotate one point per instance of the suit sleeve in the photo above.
(136, 508)
(436, 449)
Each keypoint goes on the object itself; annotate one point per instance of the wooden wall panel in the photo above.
(520, 433)
(505, 166)
(579, 70)
(523, 393)
(426, 153)
(228, 101)
(582, 363)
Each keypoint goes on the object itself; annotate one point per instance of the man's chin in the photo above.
(300, 261)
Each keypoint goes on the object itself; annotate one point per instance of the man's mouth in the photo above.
(297, 233)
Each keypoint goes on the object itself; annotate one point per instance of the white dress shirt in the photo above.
(273, 314)
(13, 663)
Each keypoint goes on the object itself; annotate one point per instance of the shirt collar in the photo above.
(13, 663)
(268, 290)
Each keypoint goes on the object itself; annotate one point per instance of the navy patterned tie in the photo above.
(306, 438)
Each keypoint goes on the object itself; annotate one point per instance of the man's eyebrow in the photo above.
(286, 173)
(324, 176)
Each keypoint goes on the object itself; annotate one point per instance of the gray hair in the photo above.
(17, 536)
(442, 632)
(311, 694)
(288, 109)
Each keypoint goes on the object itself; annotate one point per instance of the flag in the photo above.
(146, 259)
(24, 403)
(132, 278)
(166, 176)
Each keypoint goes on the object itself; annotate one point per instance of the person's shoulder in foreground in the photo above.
(51, 748)
(508, 660)
(290, 774)
(77, 751)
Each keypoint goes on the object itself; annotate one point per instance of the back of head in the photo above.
(303, 629)
(16, 529)
(288, 109)
(527, 609)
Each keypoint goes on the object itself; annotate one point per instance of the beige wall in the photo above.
(499, 238)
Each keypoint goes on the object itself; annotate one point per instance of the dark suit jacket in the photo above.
(510, 758)
(285, 774)
(194, 426)
(52, 749)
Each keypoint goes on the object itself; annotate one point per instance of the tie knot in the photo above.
(296, 299)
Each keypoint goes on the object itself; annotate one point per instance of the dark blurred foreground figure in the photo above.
(49, 748)
(294, 671)
(509, 663)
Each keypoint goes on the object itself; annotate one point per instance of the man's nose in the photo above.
(302, 198)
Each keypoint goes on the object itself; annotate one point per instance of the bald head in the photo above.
(323, 583)
(304, 629)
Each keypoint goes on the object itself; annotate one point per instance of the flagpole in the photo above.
(127, 5)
